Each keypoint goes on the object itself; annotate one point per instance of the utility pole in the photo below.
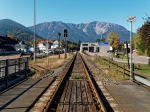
(59, 34)
(65, 35)
(131, 19)
(47, 51)
(34, 31)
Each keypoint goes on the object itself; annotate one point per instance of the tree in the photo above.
(113, 39)
(71, 46)
(116, 43)
(12, 36)
(100, 40)
(63, 43)
(144, 32)
(138, 43)
(78, 44)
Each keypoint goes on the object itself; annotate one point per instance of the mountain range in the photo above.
(20, 32)
(85, 32)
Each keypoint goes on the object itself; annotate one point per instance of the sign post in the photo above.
(131, 19)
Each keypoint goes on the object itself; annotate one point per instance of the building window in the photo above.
(84, 44)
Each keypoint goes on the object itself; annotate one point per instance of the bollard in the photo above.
(132, 72)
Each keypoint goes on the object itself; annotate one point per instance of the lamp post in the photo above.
(34, 31)
(131, 19)
(59, 34)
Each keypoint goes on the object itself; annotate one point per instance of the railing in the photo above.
(114, 65)
(122, 69)
(12, 70)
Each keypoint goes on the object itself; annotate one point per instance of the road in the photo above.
(18, 56)
(135, 58)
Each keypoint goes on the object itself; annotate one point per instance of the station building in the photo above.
(94, 46)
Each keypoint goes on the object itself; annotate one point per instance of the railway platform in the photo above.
(127, 96)
(21, 97)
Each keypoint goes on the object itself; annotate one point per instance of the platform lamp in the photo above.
(131, 19)
(59, 34)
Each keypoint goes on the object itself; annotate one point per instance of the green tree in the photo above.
(79, 43)
(63, 43)
(144, 32)
(138, 43)
(100, 40)
(111, 37)
(71, 46)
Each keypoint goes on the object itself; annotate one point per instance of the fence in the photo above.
(12, 70)
(114, 65)
(122, 69)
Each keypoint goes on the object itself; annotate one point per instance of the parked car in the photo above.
(49, 51)
(109, 51)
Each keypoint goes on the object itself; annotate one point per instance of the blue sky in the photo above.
(75, 11)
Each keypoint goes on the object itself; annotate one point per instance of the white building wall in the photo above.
(95, 45)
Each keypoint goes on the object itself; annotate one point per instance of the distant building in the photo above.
(94, 46)
(44, 44)
(7, 45)
(21, 46)
(56, 44)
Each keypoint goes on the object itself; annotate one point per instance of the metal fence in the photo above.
(12, 70)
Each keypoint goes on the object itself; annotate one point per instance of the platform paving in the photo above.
(130, 96)
(22, 96)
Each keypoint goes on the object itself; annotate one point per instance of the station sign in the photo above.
(103, 43)
(131, 18)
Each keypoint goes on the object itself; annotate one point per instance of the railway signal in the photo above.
(65, 33)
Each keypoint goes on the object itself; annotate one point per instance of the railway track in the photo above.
(72, 91)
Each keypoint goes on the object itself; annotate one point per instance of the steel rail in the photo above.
(58, 87)
(99, 102)
(94, 94)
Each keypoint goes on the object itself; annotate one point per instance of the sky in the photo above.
(76, 11)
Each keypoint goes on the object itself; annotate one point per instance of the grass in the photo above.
(144, 69)
(44, 65)
(121, 56)
(77, 76)
(109, 72)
